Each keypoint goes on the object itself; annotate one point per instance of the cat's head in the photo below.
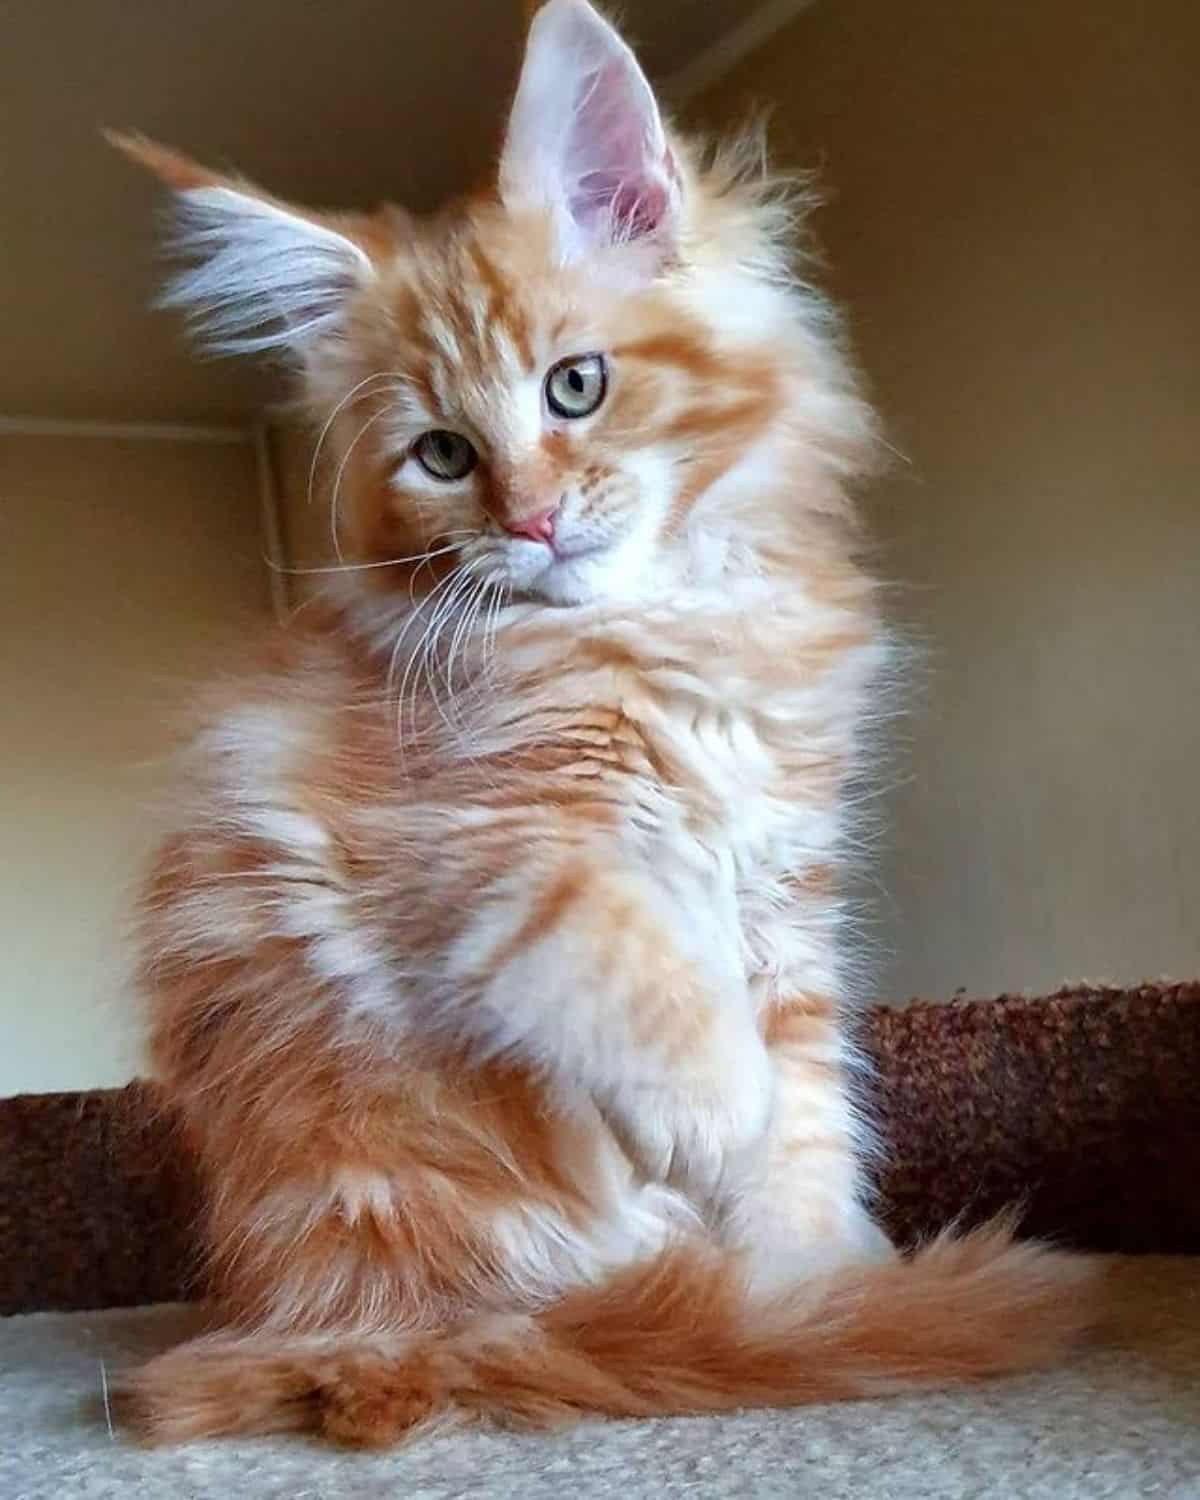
(545, 381)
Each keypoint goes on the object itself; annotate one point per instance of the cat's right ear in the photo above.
(257, 275)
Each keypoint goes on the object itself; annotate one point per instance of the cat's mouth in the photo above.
(558, 571)
(575, 551)
(532, 558)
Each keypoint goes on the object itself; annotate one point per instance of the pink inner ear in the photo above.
(632, 209)
(620, 178)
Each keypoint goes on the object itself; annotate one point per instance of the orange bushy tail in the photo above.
(674, 1336)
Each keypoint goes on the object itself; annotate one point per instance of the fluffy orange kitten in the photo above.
(493, 959)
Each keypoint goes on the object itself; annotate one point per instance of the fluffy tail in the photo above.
(677, 1335)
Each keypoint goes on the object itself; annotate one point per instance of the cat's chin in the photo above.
(573, 580)
(581, 575)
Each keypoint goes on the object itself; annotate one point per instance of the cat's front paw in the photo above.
(700, 1134)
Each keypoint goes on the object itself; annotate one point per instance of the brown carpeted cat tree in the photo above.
(1083, 1107)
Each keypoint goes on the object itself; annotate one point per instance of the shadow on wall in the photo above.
(140, 563)
(1013, 227)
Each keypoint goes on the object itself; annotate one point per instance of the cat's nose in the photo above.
(538, 528)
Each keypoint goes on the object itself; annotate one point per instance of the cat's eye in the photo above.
(575, 387)
(445, 455)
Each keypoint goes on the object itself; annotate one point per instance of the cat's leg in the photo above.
(806, 1211)
(602, 979)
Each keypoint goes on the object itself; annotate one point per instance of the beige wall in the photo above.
(128, 565)
(1015, 230)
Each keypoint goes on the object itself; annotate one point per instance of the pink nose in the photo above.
(538, 528)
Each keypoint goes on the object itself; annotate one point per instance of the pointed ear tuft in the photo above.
(585, 137)
(172, 167)
(259, 276)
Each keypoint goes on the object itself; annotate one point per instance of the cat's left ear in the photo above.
(585, 137)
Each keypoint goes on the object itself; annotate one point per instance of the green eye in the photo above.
(445, 455)
(575, 387)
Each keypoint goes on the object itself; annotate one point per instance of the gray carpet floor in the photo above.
(1122, 1421)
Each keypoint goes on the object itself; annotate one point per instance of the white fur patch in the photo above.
(261, 278)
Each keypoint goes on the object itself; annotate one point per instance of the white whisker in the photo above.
(341, 469)
(462, 631)
(387, 562)
(393, 375)
(491, 625)
(451, 580)
(431, 638)
(413, 616)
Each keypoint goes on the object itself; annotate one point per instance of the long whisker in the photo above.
(492, 624)
(491, 620)
(451, 582)
(433, 632)
(412, 586)
(394, 375)
(387, 562)
(479, 606)
(413, 617)
(473, 628)
(341, 469)
(415, 657)
(461, 631)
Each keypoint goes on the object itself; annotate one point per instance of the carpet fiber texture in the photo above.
(1121, 1423)
(1084, 1106)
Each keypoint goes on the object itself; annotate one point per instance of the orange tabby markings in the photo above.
(492, 952)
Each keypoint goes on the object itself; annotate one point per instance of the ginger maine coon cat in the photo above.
(493, 955)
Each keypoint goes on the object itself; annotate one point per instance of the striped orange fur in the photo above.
(494, 956)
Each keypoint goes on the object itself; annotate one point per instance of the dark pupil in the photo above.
(445, 447)
(575, 381)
